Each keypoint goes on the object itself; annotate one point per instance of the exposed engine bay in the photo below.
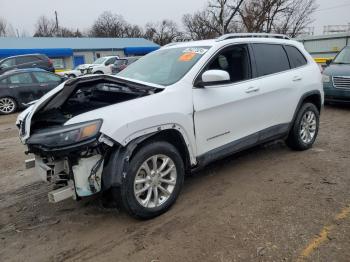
(86, 94)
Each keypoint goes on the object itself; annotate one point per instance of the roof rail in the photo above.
(243, 35)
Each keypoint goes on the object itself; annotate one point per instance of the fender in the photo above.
(118, 162)
(302, 99)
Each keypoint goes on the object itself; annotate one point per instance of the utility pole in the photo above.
(56, 22)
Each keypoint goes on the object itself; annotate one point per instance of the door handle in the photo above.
(252, 89)
(297, 78)
(14, 86)
(43, 85)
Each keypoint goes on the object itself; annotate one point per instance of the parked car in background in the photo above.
(102, 65)
(26, 61)
(77, 71)
(22, 86)
(136, 134)
(122, 63)
(336, 78)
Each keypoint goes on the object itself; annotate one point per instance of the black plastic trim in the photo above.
(266, 135)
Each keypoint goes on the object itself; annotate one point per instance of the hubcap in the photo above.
(308, 127)
(7, 105)
(155, 181)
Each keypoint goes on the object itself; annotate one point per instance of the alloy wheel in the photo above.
(155, 181)
(308, 127)
(7, 105)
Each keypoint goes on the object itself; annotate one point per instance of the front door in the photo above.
(224, 113)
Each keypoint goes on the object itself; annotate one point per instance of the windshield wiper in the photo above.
(341, 63)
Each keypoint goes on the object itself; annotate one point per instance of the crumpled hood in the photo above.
(109, 113)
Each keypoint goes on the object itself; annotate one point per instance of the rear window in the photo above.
(26, 59)
(296, 58)
(270, 58)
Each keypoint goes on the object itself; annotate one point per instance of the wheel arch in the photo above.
(314, 97)
(173, 137)
(119, 158)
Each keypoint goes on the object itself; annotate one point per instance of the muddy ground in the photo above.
(266, 204)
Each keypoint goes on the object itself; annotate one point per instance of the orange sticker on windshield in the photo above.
(187, 57)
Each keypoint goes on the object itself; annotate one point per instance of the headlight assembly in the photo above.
(326, 78)
(66, 135)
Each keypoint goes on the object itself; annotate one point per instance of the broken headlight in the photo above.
(66, 135)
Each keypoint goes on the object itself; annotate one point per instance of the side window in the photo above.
(8, 63)
(25, 59)
(270, 58)
(22, 78)
(43, 77)
(296, 58)
(3, 81)
(110, 61)
(235, 61)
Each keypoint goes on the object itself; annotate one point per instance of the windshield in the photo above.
(343, 57)
(165, 66)
(100, 61)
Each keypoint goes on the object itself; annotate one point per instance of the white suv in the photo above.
(173, 111)
(102, 65)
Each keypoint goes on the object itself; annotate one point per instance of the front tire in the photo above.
(8, 105)
(153, 181)
(305, 128)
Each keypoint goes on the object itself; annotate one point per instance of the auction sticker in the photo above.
(187, 57)
(196, 50)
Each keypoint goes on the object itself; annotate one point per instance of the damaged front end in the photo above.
(76, 157)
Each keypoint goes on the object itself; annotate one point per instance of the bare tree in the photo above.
(45, 27)
(297, 16)
(163, 32)
(6, 29)
(108, 25)
(199, 26)
(223, 13)
(281, 16)
(133, 31)
(66, 32)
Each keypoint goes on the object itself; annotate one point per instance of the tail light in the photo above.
(50, 62)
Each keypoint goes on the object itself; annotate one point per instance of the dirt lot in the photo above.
(267, 204)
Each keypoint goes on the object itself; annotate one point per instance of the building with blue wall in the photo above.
(66, 53)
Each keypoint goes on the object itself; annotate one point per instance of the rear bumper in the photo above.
(333, 94)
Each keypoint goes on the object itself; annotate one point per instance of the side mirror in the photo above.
(329, 61)
(214, 77)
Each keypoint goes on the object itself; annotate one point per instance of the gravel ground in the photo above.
(265, 204)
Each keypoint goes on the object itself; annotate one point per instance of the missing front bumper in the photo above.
(81, 179)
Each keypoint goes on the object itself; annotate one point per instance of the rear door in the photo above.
(23, 87)
(46, 81)
(26, 62)
(278, 90)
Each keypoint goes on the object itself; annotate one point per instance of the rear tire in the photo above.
(8, 105)
(305, 128)
(157, 171)
(98, 73)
